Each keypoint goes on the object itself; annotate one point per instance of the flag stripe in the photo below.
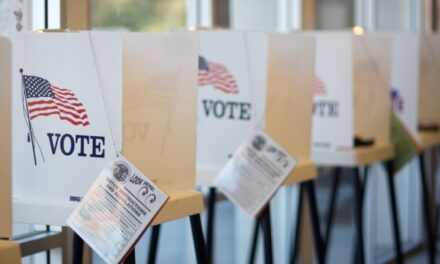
(78, 110)
(319, 87)
(45, 99)
(217, 75)
(70, 120)
(55, 107)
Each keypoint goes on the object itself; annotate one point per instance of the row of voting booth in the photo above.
(179, 105)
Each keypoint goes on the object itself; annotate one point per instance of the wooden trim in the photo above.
(5, 139)
(76, 14)
(308, 14)
(435, 15)
(220, 13)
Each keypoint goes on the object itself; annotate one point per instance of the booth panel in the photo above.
(405, 78)
(62, 137)
(5, 142)
(429, 110)
(333, 91)
(290, 92)
(372, 82)
(159, 106)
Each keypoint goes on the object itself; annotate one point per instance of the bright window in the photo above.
(138, 15)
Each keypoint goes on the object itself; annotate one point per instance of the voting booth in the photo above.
(415, 85)
(159, 114)
(70, 116)
(255, 81)
(352, 113)
(61, 134)
(351, 91)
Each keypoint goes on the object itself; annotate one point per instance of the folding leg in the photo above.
(210, 230)
(296, 232)
(331, 210)
(364, 182)
(48, 251)
(358, 218)
(363, 187)
(437, 206)
(267, 234)
(154, 243)
(131, 258)
(199, 240)
(78, 249)
(427, 211)
(394, 212)
(314, 216)
(254, 241)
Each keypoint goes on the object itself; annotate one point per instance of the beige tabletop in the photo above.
(9, 252)
(182, 203)
(428, 139)
(352, 157)
(304, 170)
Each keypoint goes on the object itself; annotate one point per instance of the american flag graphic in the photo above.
(45, 99)
(396, 100)
(217, 75)
(319, 87)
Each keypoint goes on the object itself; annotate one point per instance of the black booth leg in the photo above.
(199, 240)
(314, 216)
(364, 182)
(437, 206)
(154, 244)
(358, 218)
(254, 241)
(131, 258)
(363, 188)
(331, 210)
(394, 212)
(427, 211)
(48, 251)
(210, 232)
(78, 249)
(267, 234)
(296, 232)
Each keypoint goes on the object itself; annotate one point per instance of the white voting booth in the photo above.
(62, 134)
(231, 95)
(262, 82)
(352, 90)
(268, 82)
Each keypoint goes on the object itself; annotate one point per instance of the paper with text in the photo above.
(255, 172)
(116, 210)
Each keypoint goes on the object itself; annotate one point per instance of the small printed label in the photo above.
(116, 210)
(255, 172)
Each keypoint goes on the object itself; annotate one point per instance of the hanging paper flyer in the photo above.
(116, 210)
(255, 172)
